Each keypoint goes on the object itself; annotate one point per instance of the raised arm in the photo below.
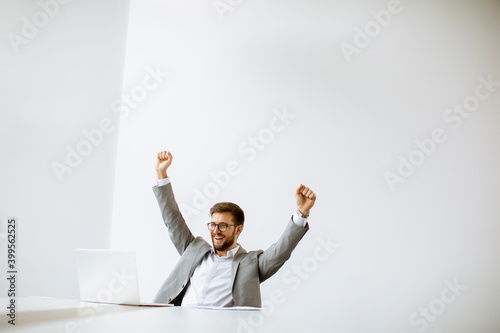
(178, 230)
(271, 260)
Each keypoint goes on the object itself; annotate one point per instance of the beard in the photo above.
(227, 241)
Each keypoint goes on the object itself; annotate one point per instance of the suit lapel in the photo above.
(236, 262)
(200, 254)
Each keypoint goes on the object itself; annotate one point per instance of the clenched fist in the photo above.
(305, 199)
(163, 161)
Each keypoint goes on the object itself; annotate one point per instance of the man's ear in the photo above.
(239, 229)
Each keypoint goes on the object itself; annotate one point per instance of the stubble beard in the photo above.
(228, 242)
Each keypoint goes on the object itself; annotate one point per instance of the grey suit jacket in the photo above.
(249, 268)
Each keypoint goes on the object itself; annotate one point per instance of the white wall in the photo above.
(226, 79)
(352, 121)
(58, 81)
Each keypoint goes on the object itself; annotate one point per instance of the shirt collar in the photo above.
(230, 253)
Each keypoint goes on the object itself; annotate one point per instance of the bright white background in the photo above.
(352, 122)
(61, 82)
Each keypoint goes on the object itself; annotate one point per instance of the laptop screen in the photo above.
(108, 276)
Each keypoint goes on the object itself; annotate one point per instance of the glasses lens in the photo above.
(212, 226)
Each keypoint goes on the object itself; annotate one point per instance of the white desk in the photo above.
(39, 315)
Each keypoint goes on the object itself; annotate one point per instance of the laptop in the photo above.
(109, 276)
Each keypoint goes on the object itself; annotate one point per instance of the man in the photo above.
(223, 274)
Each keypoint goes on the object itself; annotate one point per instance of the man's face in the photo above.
(224, 240)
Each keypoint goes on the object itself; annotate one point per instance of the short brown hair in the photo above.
(234, 209)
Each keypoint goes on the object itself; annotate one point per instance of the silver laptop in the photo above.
(109, 276)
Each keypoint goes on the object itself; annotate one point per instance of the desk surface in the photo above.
(68, 316)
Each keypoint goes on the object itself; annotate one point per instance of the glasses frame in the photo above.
(217, 225)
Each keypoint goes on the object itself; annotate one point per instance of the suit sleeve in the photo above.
(178, 230)
(271, 260)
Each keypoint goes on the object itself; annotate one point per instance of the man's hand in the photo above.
(305, 199)
(163, 161)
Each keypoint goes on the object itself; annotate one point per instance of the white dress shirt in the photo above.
(210, 284)
(211, 281)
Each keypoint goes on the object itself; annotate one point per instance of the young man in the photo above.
(223, 274)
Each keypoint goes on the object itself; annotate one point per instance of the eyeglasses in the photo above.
(222, 226)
